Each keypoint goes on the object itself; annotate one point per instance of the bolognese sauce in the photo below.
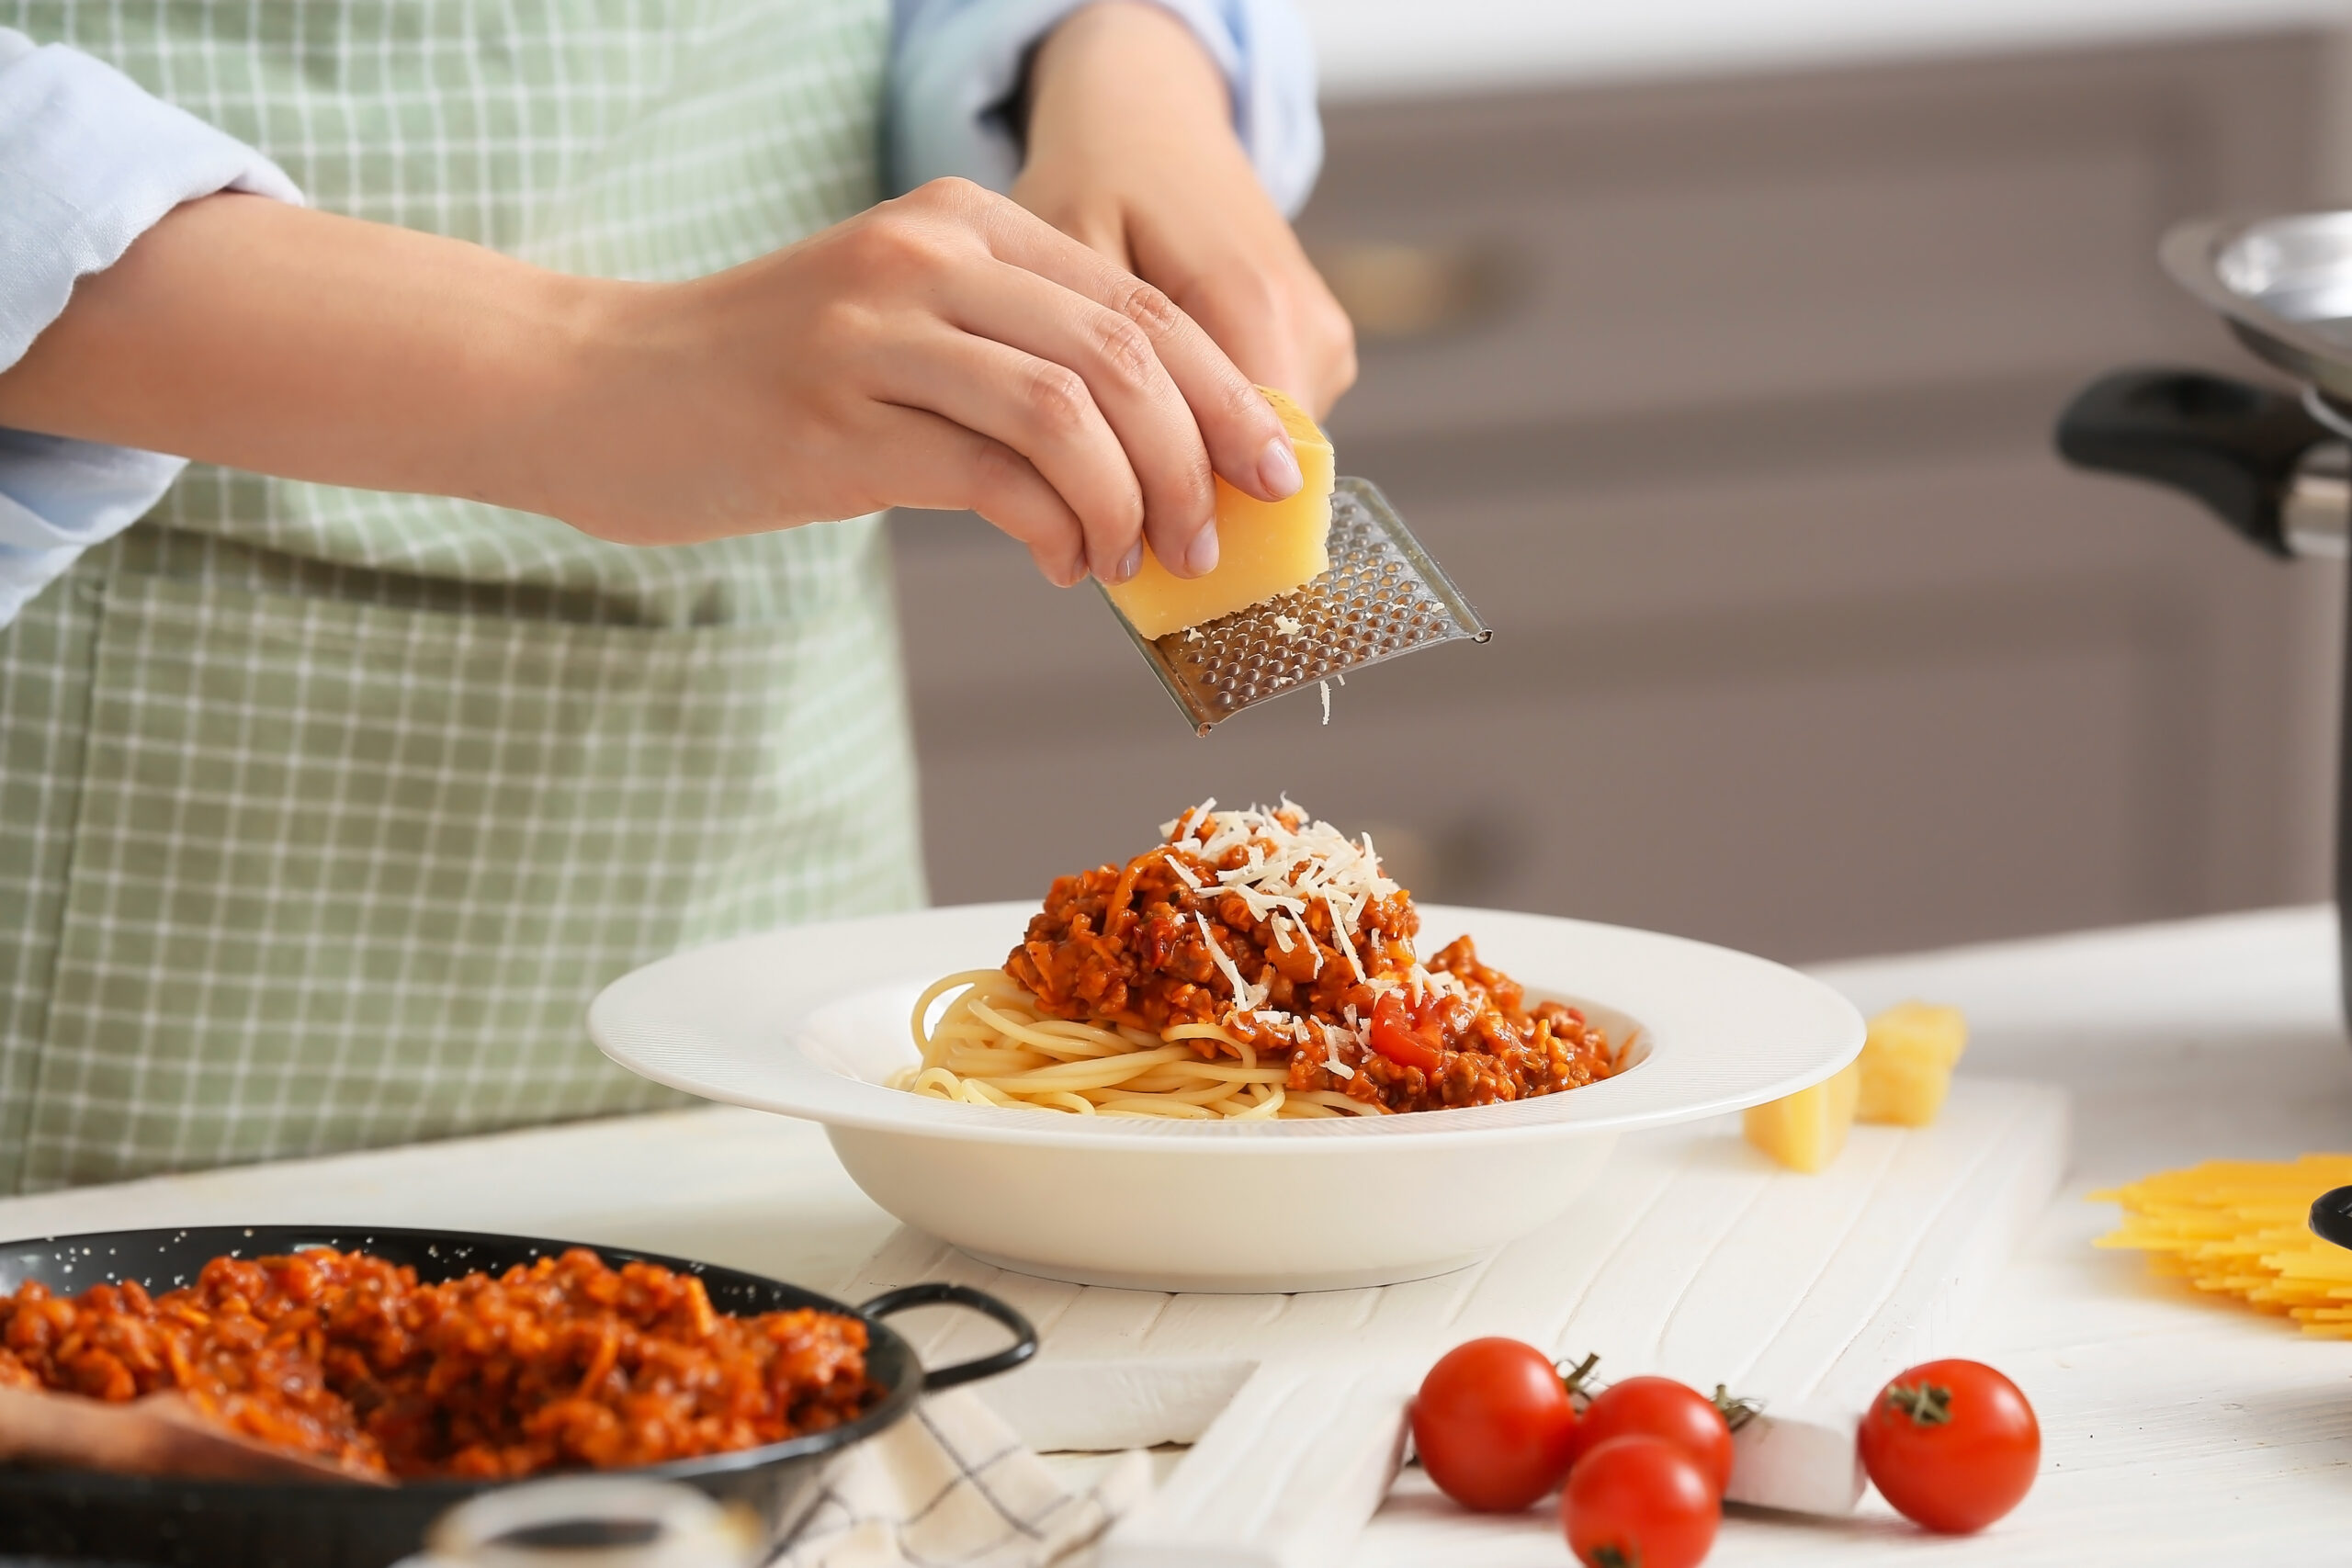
(561, 1363)
(1291, 939)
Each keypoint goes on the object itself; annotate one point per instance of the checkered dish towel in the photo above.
(952, 1487)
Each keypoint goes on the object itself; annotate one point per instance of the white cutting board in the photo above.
(1693, 1256)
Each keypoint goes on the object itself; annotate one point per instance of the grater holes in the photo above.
(1373, 603)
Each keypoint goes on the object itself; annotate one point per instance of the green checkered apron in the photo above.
(324, 813)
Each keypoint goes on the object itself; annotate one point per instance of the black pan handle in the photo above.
(935, 1292)
(2230, 443)
(2332, 1216)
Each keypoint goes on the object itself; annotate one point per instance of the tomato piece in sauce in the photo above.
(1407, 1038)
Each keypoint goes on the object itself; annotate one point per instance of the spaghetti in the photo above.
(1256, 964)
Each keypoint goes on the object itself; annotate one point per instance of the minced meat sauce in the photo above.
(1131, 945)
(561, 1363)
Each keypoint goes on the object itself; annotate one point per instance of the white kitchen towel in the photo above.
(952, 1487)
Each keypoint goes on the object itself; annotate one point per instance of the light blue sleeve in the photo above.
(955, 63)
(89, 162)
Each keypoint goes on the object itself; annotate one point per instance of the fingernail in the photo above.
(1129, 564)
(1201, 559)
(1278, 469)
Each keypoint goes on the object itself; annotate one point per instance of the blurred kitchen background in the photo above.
(1713, 346)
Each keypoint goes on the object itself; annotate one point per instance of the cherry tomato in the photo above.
(1662, 1408)
(1492, 1424)
(1953, 1444)
(1405, 1038)
(1639, 1502)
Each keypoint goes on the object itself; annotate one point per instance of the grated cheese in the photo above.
(1334, 1042)
(1285, 854)
(1422, 982)
(1287, 861)
(1324, 687)
(1246, 998)
(1339, 935)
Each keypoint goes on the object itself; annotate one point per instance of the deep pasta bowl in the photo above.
(812, 1021)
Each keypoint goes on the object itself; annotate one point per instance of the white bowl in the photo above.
(808, 1021)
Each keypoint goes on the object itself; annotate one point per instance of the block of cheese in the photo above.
(1264, 548)
(1806, 1131)
(1908, 1061)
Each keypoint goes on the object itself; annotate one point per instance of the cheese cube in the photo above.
(1805, 1131)
(1907, 1062)
(1264, 548)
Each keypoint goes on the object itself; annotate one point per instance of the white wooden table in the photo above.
(2176, 1430)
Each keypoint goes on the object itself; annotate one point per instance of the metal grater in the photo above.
(1383, 596)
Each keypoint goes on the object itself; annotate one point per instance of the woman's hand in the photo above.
(1131, 149)
(944, 350)
(947, 349)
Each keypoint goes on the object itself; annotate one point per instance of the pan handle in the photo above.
(2332, 1216)
(2233, 446)
(935, 1292)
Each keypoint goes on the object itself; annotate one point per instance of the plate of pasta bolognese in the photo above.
(1244, 1059)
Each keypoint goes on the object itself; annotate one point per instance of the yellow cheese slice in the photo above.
(1806, 1131)
(1907, 1062)
(1264, 548)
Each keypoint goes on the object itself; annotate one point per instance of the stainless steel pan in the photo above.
(2274, 463)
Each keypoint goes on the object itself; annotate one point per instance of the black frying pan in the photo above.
(175, 1523)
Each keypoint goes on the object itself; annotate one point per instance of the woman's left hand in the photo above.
(1131, 151)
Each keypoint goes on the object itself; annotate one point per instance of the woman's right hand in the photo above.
(947, 349)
